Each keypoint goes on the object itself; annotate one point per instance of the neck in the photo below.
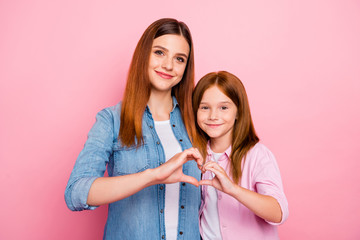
(160, 105)
(219, 145)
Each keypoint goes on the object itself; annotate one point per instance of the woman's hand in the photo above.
(171, 171)
(221, 180)
(105, 190)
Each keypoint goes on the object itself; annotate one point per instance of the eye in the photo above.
(224, 107)
(159, 52)
(204, 107)
(180, 59)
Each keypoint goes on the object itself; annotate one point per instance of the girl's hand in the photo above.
(266, 207)
(171, 171)
(221, 180)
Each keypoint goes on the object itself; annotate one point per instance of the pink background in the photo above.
(63, 61)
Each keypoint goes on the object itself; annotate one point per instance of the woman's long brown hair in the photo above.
(243, 136)
(137, 90)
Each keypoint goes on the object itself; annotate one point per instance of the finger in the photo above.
(213, 169)
(197, 150)
(183, 157)
(193, 154)
(216, 175)
(206, 167)
(218, 167)
(220, 175)
(200, 164)
(196, 154)
(205, 182)
(200, 161)
(215, 166)
(209, 164)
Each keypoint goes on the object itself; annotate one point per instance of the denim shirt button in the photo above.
(181, 233)
(163, 237)
(180, 140)
(157, 142)
(161, 211)
(182, 207)
(173, 125)
(161, 187)
(183, 184)
(151, 127)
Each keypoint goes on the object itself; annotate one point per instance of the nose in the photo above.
(167, 63)
(213, 114)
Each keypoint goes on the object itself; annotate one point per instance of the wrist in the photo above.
(234, 189)
(150, 175)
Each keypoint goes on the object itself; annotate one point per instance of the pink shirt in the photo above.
(260, 174)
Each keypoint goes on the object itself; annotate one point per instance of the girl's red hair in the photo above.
(243, 136)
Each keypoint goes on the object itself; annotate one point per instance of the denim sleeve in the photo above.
(91, 162)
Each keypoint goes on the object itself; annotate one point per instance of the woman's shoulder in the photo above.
(109, 118)
(112, 112)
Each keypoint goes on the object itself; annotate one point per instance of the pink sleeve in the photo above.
(268, 180)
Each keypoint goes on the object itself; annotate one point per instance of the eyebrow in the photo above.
(167, 50)
(219, 102)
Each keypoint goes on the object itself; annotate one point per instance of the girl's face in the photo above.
(216, 115)
(168, 58)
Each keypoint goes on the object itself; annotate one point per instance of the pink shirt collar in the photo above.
(226, 153)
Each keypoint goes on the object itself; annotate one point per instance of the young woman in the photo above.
(242, 195)
(143, 142)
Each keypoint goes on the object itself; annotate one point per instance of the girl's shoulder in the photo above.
(261, 161)
(260, 151)
(259, 147)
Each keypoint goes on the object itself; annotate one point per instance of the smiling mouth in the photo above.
(213, 125)
(164, 75)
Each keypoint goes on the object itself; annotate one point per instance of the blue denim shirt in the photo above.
(140, 216)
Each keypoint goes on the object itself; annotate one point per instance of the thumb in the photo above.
(189, 179)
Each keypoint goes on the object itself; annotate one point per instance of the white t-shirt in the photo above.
(211, 214)
(171, 146)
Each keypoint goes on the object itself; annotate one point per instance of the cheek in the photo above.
(153, 62)
(233, 117)
(180, 71)
(229, 117)
(200, 118)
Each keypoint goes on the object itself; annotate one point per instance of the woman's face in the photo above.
(168, 58)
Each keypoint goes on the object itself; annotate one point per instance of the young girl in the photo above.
(242, 193)
(144, 144)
